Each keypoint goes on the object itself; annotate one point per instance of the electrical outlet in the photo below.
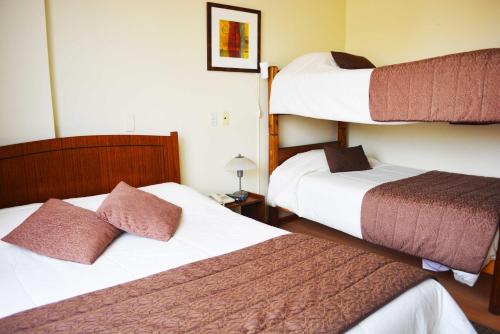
(225, 118)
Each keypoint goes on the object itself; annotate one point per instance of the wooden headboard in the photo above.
(82, 166)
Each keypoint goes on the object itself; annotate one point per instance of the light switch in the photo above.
(130, 123)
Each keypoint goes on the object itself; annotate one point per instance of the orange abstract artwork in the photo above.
(234, 38)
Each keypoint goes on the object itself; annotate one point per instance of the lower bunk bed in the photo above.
(305, 186)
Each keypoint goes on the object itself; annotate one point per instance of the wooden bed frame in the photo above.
(277, 155)
(70, 167)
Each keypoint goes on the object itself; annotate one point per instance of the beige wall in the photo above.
(113, 59)
(25, 100)
(392, 31)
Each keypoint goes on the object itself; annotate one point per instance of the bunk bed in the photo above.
(421, 91)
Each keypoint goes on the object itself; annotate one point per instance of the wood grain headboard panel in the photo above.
(82, 166)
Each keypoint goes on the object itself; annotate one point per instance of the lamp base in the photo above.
(239, 196)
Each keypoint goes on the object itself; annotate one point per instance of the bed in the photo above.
(457, 88)
(207, 231)
(305, 186)
(314, 86)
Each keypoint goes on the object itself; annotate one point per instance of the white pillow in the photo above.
(373, 162)
(312, 62)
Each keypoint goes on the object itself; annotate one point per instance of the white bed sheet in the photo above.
(304, 185)
(314, 86)
(28, 280)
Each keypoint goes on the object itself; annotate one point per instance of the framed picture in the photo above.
(233, 38)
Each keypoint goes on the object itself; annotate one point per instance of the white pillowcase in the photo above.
(313, 62)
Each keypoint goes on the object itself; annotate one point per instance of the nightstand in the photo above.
(253, 207)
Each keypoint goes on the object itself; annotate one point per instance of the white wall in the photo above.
(114, 58)
(392, 31)
(25, 99)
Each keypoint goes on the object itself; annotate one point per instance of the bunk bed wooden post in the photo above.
(342, 134)
(273, 212)
(273, 125)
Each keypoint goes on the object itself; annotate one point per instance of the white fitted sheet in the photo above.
(28, 280)
(304, 185)
(314, 86)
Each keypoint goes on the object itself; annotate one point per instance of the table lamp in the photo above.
(239, 164)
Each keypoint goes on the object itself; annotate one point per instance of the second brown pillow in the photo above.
(141, 213)
(351, 62)
(347, 159)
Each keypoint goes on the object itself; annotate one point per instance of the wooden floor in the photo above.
(473, 301)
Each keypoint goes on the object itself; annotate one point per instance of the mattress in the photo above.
(314, 86)
(304, 185)
(28, 280)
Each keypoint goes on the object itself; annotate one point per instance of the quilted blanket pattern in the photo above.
(461, 88)
(444, 217)
(293, 284)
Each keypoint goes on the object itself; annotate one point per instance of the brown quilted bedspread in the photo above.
(462, 88)
(293, 283)
(444, 217)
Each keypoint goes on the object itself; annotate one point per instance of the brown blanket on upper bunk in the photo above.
(444, 217)
(293, 283)
(462, 88)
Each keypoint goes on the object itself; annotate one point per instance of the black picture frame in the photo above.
(210, 66)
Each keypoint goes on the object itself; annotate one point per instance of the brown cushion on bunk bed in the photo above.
(141, 213)
(64, 231)
(348, 159)
(351, 62)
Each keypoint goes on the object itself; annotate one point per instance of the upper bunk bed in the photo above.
(457, 88)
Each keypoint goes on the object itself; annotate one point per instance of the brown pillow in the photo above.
(351, 62)
(64, 231)
(346, 159)
(138, 212)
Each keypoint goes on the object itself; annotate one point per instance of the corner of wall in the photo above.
(50, 60)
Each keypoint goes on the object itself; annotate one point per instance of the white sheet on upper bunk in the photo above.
(304, 185)
(314, 86)
(28, 280)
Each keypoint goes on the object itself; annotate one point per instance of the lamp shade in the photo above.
(240, 163)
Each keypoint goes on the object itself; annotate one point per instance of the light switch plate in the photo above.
(130, 123)
(213, 118)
